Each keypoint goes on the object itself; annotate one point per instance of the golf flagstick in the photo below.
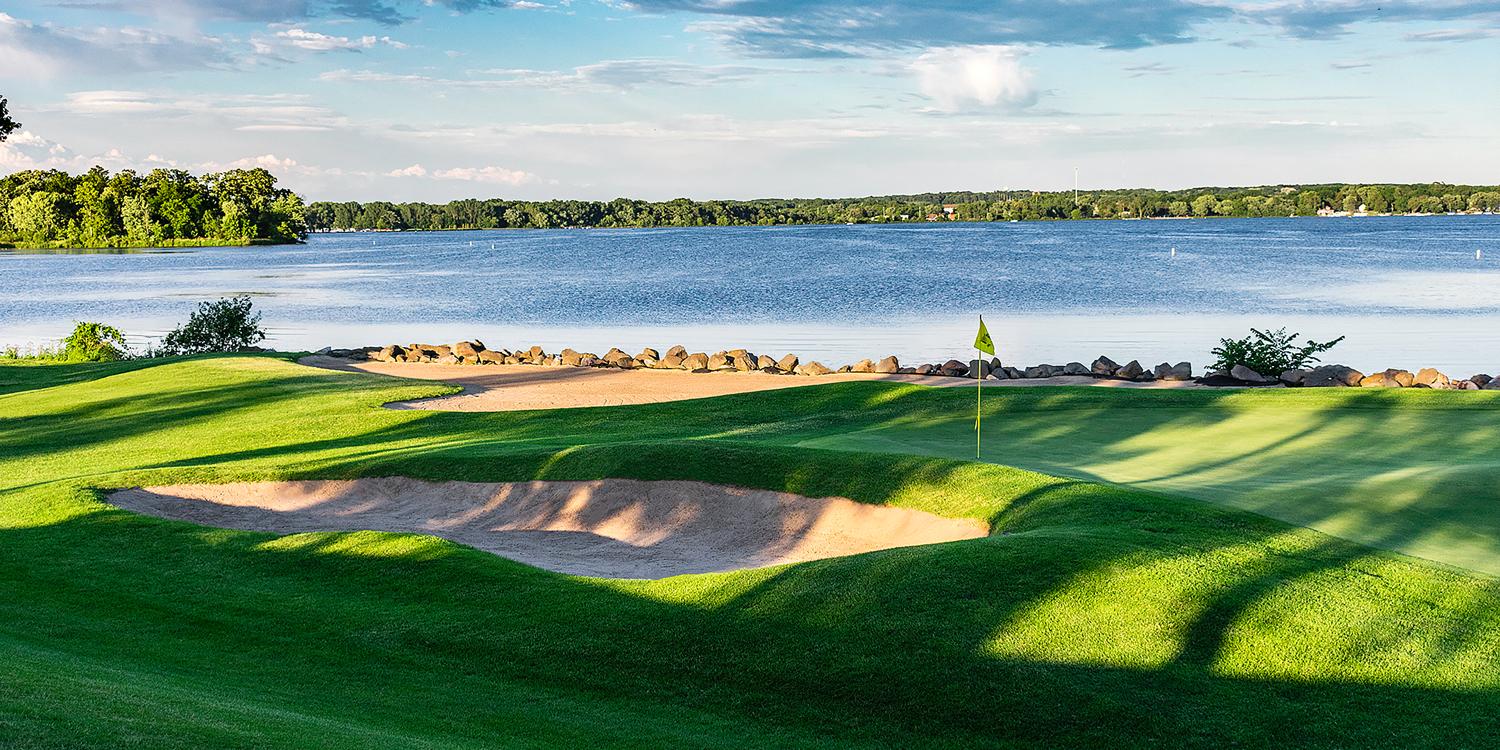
(985, 345)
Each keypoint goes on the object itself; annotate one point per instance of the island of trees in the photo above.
(1012, 205)
(165, 208)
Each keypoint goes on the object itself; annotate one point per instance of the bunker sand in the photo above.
(611, 528)
(521, 387)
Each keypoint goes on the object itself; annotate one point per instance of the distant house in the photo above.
(949, 208)
(933, 217)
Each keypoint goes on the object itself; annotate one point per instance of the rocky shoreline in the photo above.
(474, 352)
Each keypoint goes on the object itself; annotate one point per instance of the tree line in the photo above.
(1298, 200)
(166, 207)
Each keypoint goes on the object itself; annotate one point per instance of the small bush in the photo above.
(227, 325)
(1268, 352)
(95, 342)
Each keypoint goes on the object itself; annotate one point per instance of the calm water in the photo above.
(1408, 291)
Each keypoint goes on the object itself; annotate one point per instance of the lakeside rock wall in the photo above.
(474, 352)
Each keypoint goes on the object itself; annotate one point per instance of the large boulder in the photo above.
(536, 353)
(888, 365)
(1392, 378)
(491, 357)
(813, 368)
(696, 362)
(720, 361)
(764, 362)
(1332, 376)
(925, 369)
(1168, 371)
(1481, 380)
(1493, 385)
(1104, 367)
(617, 358)
(677, 351)
(392, 353)
(468, 351)
(1076, 368)
(1131, 370)
(1247, 375)
(788, 363)
(863, 365)
(1292, 378)
(648, 353)
(954, 369)
(978, 368)
(1428, 377)
(672, 362)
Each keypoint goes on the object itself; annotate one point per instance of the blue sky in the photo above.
(363, 99)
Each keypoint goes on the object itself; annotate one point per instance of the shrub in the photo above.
(94, 342)
(227, 325)
(1268, 352)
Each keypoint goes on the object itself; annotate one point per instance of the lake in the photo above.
(1407, 291)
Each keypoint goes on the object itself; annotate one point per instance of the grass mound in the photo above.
(1092, 616)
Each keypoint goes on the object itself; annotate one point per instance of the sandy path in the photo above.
(518, 387)
(613, 528)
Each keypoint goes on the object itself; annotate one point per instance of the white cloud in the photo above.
(313, 41)
(31, 49)
(497, 175)
(415, 170)
(606, 75)
(986, 75)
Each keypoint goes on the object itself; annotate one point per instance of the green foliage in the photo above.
(1304, 200)
(226, 325)
(7, 125)
(168, 207)
(1268, 352)
(95, 342)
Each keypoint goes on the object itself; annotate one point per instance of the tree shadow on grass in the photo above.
(894, 648)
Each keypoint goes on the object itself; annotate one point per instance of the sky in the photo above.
(655, 99)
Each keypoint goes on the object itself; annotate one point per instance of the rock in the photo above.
(448, 359)
(671, 362)
(888, 365)
(468, 351)
(488, 357)
(324, 351)
(863, 365)
(1292, 378)
(1332, 376)
(1012, 373)
(745, 363)
(392, 353)
(1104, 367)
(1392, 378)
(1428, 377)
(720, 361)
(695, 362)
(1037, 371)
(1493, 385)
(1481, 380)
(536, 352)
(788, 363)
(1465, 385)
(846, 368)
(979, 366)
(813, 368)
(571, 357)
(514, 360)
(1075, 368)
(677, 351)
(1168, 371)
(954, 368)
(906, 371)
(926, 370)
(1247, 375)
(1129, 371)
(648, 353)
(619, 359)
(587, 360)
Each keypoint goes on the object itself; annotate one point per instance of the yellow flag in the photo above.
(982, 342)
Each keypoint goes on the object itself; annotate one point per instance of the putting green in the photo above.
(1417, 472)
(1092, 616)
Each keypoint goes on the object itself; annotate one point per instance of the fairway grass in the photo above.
(1093, 615)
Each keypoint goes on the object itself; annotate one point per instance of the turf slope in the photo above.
(1094, 616)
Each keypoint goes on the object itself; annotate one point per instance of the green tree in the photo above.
(38, 215)
(1205, 205)
(7, 125)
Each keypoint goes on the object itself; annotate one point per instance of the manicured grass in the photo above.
(1413, 471)
(1095, 616)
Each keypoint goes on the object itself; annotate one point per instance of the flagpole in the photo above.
(984, 345)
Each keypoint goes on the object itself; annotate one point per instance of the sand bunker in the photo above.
(614, 528)
(518, 387)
